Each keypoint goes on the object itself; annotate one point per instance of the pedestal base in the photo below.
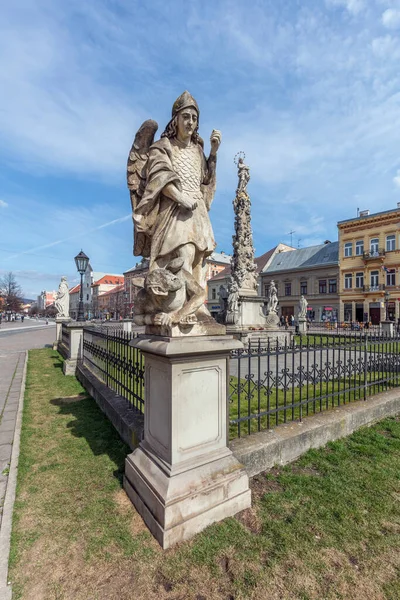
(303, 327)
(183, 476)
(387, 327)
(176, 507)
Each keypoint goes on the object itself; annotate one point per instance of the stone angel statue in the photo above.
(172, 185)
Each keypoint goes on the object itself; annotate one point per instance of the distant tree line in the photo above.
(10, 293)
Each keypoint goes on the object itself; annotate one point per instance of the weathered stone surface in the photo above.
(172, 186)
(183, 476)
(62, 299)
(302, 312)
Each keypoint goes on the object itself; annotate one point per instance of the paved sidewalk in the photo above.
(11, 371)
(13, 358)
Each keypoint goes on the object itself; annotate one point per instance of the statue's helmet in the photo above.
(185, 100)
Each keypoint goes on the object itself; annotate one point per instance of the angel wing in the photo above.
(136, 175)
(137, 159)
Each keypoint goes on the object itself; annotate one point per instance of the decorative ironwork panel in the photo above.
(271, 384)
(110, 357)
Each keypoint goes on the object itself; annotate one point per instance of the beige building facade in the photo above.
(312, 272)
(369, 250)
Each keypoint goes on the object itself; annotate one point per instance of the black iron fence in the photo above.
(108, 355)
(269, 384)
(272, 384)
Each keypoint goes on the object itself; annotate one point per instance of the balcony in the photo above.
(374, 288)
(374, 254)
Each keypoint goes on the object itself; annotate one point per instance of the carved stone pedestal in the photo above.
(183, 477)
(59, 323)
(387, 327)
(303, 327)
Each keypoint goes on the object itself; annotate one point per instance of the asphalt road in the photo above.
(18, 337)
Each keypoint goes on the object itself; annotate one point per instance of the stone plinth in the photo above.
(303, 327)
(183, 477)
(59, 323)
(250, 311)
(75, 351)
(199, 328)
(387, 327)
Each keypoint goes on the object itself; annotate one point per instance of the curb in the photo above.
(6, 523)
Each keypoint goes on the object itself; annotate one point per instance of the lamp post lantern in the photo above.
(387, 296)
(81, 261)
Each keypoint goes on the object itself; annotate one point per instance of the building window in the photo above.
(348, 249)
(87, 297)
(390, 243)
(359, 280)
(288, 289)
(303, 288)
(213, 293)
(374, 246)
(348, 281)
(391, 277)
(332, 286)
(322, 286)
(359, 248)
(375, 279)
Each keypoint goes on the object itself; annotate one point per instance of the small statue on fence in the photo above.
(302, 314)
(272, 299)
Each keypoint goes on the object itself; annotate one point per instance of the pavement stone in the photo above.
(14, 341)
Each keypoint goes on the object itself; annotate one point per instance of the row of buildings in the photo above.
(110, 295)
(356, 278)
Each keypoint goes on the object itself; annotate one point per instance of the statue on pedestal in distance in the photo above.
(62, 299)
(302, 313)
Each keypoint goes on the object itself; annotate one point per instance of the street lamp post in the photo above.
(125, 302)
(387, 296)
(81, 261)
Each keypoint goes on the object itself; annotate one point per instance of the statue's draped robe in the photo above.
(166, 224)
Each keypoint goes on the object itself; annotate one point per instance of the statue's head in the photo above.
(185, 118)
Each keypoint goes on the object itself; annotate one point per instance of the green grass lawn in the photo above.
(325, 527)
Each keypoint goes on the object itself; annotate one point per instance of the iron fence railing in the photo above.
(272, 384)
(108, 354)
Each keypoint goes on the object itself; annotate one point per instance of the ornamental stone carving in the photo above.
(302, 313)
(62, 299)
(244, 270)
(172, 186)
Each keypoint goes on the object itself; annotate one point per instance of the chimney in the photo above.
(398, 205)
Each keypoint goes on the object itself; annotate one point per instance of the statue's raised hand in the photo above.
(215, 141)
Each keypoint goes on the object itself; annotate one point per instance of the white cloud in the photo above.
(3, 204)
(391, 18)
(352, 6)
(396, 179)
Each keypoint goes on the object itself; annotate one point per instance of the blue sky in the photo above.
(310, 91)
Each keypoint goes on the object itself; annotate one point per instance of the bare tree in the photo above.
(10, 293)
